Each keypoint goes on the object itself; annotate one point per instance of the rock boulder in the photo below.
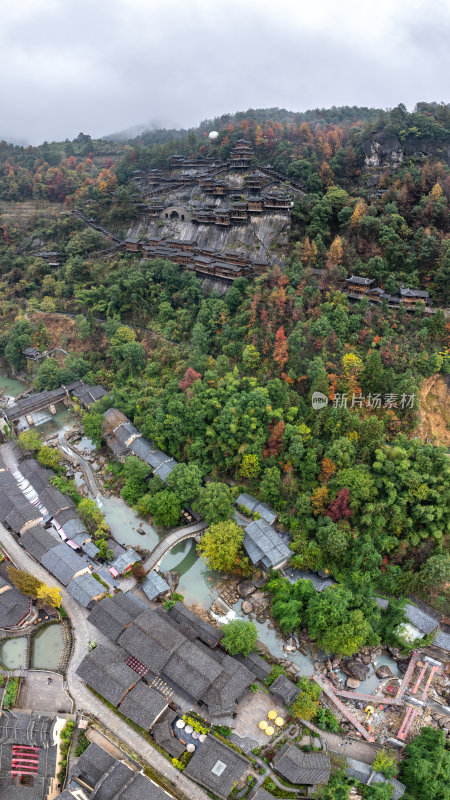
(355, 669)
(245, 588)
(383, 671)
(352, 683)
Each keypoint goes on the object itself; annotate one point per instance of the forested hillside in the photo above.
(226, 382)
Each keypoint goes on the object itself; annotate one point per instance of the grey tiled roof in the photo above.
(397, 787)
(125, 560)
(55, 501)
(192, 669)
(143, 705)
(84, 588)
(317, 581)
(90, 549)
(206, 632)
(424, 622)
(442, 640)
(358, 769)
(154, 585)
(107, 673)
(6, 479)
(414, 293)
(302, 768)
(264, 545)
(113, 614)
(260, 668)
(124, 432)
(69, 521)
(79, 538)
(151, 639)
(18, 517)
(365, 774)
(163, 735)
(254, 505)
(200, 767)
(93, 764)
(382, 602)
(261, 794)
(13, 606)
(141, 447)
(285, 689)
(228, 689)
(156, 457)
(37, 541)
(18, 728)
(88, 394)
(63, 563)
(165, 469)
(360, 281)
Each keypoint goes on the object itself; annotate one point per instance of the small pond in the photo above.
(12, 653)
(46, 648)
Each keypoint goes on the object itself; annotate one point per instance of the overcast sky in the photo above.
(100, 66)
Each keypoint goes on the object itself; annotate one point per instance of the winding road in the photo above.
(84, 633)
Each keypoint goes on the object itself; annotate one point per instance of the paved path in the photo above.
(84, 632)
(169, 541)
(347, 748)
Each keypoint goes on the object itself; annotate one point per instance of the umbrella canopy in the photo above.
(180, 723)
(272, 714)
(202, 737)
(195, 735)
(279, 721)
(189, 729)
(269, 731)
(190, 748)
(263, 724)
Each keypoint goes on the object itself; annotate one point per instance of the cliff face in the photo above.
(264, 236)
(383, 151)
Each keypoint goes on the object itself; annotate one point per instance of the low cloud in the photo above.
(99, 67)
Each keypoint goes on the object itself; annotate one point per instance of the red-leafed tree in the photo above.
(339, 507)
(189, 377)
(281, 350)
(275, 440)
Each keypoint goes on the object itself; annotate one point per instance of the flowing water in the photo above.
(11, 387)
(124, 523)
(46, 648)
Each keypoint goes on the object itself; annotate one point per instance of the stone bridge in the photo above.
(169, 541)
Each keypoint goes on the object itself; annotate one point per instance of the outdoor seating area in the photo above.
(187, 736)
(253, 718)
(275, 721)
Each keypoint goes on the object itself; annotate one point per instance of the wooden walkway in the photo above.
(371, 698)
(329, 691)
(408, 674)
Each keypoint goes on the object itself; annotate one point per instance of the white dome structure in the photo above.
(213, 135)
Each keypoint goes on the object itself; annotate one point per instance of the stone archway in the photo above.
(176, 213)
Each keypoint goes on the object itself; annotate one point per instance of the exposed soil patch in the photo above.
(435, 410)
